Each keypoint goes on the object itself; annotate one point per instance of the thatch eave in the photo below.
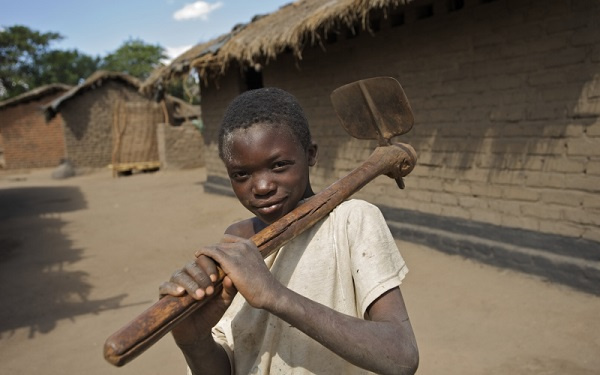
(35, 94)
(293, 27)
(94, 81)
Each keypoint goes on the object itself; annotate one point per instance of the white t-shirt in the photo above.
(345, 261)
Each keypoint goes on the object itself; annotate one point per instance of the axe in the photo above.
(374, 108)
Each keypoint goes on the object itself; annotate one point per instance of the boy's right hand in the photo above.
(197, 279)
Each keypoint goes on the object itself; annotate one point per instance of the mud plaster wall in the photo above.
(183, 146)
(88, 119)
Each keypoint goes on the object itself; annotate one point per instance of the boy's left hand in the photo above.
(242, 262)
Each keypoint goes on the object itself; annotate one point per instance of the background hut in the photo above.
(26, 140)
(506, 96)
(108, 122)
(180, 141)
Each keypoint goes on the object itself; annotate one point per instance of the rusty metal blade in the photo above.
(373, 108)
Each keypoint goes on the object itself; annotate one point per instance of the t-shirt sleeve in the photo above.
(377, 265)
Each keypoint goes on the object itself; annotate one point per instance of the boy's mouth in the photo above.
(269, 208)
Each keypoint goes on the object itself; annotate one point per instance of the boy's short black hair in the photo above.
(269, 105)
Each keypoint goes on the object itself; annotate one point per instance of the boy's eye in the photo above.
(280, 165)
(238, 175)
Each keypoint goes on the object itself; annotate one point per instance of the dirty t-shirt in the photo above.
(345, 262)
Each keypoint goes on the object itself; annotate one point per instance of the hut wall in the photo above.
(27, 140)
(214, 102)
(182, 146)
(506, 97)
(88, 119)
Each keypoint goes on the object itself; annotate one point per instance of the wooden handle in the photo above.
(150, 326)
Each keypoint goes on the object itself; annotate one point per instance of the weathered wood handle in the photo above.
(150, 326)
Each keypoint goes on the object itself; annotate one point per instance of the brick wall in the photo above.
(88, 121)
(181, 146)
(27, 140)
(506, 97)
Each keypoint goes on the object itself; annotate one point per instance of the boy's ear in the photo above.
(312, 153)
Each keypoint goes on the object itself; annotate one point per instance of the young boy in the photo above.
(328, 302)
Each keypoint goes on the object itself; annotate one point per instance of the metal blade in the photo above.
(374, 108)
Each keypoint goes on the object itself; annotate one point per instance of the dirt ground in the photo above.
(80, 257)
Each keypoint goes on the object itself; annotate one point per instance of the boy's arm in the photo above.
(193, 335)
(383, 343)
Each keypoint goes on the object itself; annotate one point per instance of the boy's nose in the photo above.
(263, 185)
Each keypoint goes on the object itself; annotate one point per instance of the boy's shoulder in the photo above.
(244, 228)
(352, 205)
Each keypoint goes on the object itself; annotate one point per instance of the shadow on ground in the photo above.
(38, 287)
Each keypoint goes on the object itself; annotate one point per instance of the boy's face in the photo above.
(268, 170)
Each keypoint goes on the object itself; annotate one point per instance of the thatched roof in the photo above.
(181, 109)
(94, 81)
(292, 27)
(35, 94)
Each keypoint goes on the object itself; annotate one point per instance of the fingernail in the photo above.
(180, 289)
(199, 293)
(213, 277)
(210, 290)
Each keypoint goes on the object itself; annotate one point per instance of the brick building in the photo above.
(26, 140)
(107, 121)
(506, 98)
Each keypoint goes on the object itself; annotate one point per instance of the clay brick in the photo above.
(583, 147)
(561, 228)
(457, 187)
(583, 183)
(582, 215)
(562, 197)
(505, 207)
(444, 199)
(420, 195)
(472, 203)
(542, 211)
(566, 165)
(534, 147)
(484, 215)
(592, 234)
(545, 180)
(593, 167)
(456, 211)
(486, 190)
(520, 194)
(593, 130)
(430, 208)
(520, 222)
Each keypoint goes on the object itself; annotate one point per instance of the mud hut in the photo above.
(26, 140)
(180, 142)
(107, 122)
(507, 107)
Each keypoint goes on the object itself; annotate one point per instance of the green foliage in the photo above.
(70, 67)
(27, 61)
(187, 89)
(20, 51)
(135, 58)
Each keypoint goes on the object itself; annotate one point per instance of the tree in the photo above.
(20, 49)
(27, 61)
(70, 67)
(135, 58)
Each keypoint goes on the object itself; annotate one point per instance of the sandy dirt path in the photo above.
(81, 257)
